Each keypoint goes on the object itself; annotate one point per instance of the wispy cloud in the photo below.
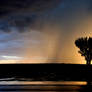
(11, 57)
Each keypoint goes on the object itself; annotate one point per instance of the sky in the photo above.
(43, 31)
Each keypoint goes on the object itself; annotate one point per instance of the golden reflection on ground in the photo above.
(44, 82)
(45, 86)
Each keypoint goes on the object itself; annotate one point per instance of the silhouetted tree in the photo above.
(85, 46)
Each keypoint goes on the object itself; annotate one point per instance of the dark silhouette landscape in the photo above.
(43, 72)
(47, 72)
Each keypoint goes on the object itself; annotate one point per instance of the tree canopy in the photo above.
(85, 46)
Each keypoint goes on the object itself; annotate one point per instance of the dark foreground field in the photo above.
(47, 72)
(55, 74)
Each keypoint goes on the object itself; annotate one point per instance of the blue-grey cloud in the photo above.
(23, 13)
(9, 6)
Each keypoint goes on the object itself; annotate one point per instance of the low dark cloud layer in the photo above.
(9, 6)
(21, 14)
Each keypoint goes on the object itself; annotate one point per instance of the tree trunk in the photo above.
(88, 62)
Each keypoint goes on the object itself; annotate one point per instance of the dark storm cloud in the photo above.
(21, 14)
(8, 6)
